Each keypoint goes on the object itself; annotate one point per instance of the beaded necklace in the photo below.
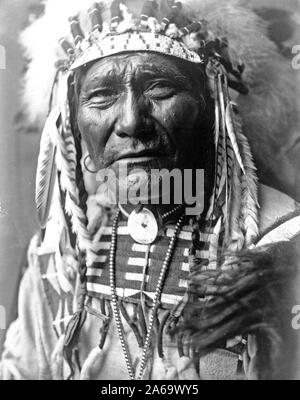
(156, 300)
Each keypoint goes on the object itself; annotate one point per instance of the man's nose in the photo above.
(131, 115)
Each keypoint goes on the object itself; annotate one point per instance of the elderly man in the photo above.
(112, 285)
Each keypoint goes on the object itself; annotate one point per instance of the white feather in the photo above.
(46, 169)
(92, 364)
(57, 358)
(232, 135)
(250, 205)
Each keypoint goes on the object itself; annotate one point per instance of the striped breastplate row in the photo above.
(130, 264)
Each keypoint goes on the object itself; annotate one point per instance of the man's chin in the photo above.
(136, 177)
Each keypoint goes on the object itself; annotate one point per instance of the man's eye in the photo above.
(160, 90)
(103, 96)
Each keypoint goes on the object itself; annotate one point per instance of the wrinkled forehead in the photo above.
(140, 66)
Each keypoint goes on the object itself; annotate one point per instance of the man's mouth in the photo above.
(139, 157)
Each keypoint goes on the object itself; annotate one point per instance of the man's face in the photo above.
(140, 110)
(138, 106)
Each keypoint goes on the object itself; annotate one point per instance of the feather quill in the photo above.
(250, 205)
(230, 126)
(217, 160)
(236, 235)
(223, 129)
(46, 169)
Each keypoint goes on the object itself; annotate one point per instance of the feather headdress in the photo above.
(246, 51)
(266, 73)
(228, 37)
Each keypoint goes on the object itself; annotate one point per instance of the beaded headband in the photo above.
(168, 31)
(126, 33)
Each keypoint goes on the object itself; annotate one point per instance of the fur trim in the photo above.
(252, 294)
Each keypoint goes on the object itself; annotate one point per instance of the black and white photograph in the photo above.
(150, 192)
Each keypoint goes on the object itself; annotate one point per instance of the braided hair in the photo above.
(83, 195)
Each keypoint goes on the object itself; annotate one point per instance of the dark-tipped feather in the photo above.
(46, 170)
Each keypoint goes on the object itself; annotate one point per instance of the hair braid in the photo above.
(83, 195)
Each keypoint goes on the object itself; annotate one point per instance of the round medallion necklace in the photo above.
(142, 224)
(156, 300)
